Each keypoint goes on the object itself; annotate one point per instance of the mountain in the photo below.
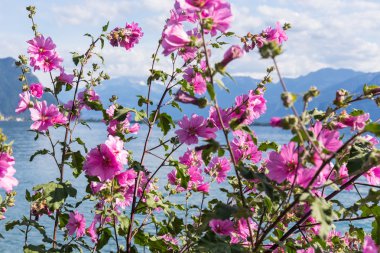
(10, 86)
(327, 80)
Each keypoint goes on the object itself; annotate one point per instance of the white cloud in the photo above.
(325, 33)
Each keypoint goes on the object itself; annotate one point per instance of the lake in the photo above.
(43, 170)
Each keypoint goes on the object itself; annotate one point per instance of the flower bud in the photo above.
(312, 92)
(371, 90)
(234, 52)
(289, 122)
(288, 98)
(25, 87)
(275, 122)
(340, 97)
(186, 98)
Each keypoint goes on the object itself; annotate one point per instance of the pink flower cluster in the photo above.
(193, 160)
(277, 35)
(126, 37)
(243, 147)
(239, 232)
(354, 122)
(43, 55)
(107, 160)
(218, 168)
(115, 126)
(216, 16)
(44, 116)
(7, 181)
(195, 78)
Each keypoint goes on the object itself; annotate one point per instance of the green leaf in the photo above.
(323, 213)
(77, 58)
(373, 128)
(105, 27)
(356, 112)
(38, 152)
(55, 194)
(359, 155)
(211, 91)
(77, 163)
(165, 122)
(104, 238)
(34, 249)
(265, 146)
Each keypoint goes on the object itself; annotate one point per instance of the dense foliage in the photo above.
(269, 197)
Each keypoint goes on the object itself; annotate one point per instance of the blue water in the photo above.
(42, 169)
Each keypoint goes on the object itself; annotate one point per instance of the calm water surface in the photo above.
(42, 169)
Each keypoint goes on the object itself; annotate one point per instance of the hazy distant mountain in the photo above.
(328, 81)
(10, 86)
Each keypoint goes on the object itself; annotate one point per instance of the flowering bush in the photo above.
(275, 198)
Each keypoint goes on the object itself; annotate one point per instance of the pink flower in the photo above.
(24, 102)
(243, 147)
(66, 78)
(126, 37)
(221, 227)
(234, 52)
(44, 116)
(225, 115)
(199, 84)
(195, 5)
(242, 232)
(91, 231)
(7, 181)
(373, 175)
(196, 177)
(48, 63)
(36, 90)
(127, 178)
(218, 167)
(373, 140)
(342, 175)
(369, 245)
(282, 166)
(249, 107)
(117, 147)
(102, 163)
(174, 37)
(196, 80)
(179, 15)
(97, 186)
(193, 128)
(77, 223)
(305, 175)
(308, 250)
(328, 138)
(277, 34)
(87, 95)
(218, 16)
(115, 126)
(191, 158)
(355, 122)
(39, 48)
(203, 188)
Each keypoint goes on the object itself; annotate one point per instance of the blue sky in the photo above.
(326, 33)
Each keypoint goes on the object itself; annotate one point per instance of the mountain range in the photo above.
(327, 80)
